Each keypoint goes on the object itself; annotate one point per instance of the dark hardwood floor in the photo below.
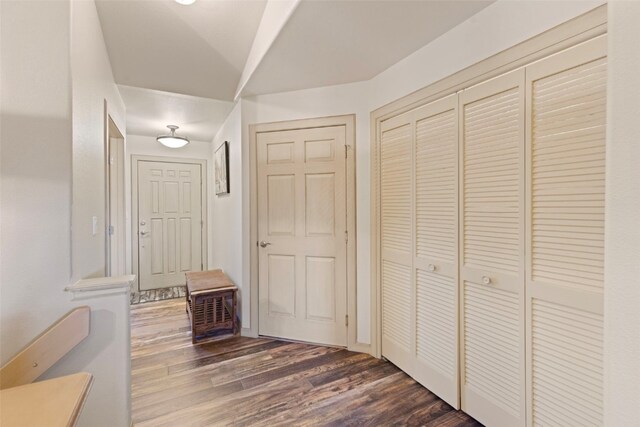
(264, 382)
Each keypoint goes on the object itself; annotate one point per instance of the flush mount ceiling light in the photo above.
(186, 2)
(173, 140)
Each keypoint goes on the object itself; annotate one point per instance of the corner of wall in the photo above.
(227, 228)
(92, 85)
(622, 229)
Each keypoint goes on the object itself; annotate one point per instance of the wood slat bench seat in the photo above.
(211, 303)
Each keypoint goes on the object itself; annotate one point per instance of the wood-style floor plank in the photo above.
(243, 381)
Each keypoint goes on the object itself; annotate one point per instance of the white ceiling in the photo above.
(150, 111)
(181, 65)
(333, 42)
(197, 50)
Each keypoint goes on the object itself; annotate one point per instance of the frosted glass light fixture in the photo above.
(173, 140)
(185, 2)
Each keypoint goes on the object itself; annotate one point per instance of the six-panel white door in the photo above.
(302, 234)
(169, 222)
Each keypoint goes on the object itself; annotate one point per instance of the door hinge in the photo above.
(110, 230)
(346, 150)
(346, 320)
(346, 236)
(201, 224)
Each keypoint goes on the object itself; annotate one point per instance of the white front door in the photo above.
(302, 235)
(169, 222)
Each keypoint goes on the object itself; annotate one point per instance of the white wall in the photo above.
(93, 83)
(225, 219)
(148, 146)
(499, 26)
(105, 353)
(622, 235)
(36, 147)
(40, 129)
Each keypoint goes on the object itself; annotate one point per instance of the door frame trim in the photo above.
(204, 173)
(113, 132)
(568, 34)
(348, 121)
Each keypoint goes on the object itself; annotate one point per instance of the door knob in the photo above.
(144, 233)
(264, 244)
(486, 280)
(431, 267)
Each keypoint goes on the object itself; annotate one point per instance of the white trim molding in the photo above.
(90, 288)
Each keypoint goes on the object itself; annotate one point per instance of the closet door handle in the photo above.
(486, 280)
(431, 267)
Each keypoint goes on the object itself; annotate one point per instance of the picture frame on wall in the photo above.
(221, 169)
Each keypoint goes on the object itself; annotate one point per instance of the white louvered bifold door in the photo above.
(396, 223)
(419, 220)
(436, 248)
(492, 251)
(566, 126)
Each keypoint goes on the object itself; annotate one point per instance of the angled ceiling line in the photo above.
(275, 16)
(208, 43)
(149, 111)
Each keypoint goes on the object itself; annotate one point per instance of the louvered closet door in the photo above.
(566, 96)
(397, 240)
(492, 251)
(435, 262)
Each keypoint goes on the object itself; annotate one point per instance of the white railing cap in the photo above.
(102, 283)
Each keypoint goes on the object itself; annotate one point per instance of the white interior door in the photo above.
(397, 240)
(565, 259)
(492, 251)
(419, 222)
(436, 248)
(169, 222)
(302, 228)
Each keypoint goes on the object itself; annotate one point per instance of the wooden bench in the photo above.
(56, 402)
(212, 304)
(52, 403)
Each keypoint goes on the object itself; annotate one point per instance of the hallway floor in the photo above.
(246, 381)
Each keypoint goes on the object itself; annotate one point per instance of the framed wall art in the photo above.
(221, 171)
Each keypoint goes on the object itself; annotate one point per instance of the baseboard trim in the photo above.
(248, 332)
(359, 347)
